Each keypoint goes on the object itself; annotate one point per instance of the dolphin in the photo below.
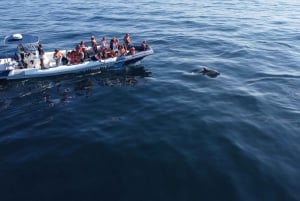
(209, 72)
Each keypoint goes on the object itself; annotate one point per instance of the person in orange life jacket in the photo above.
(57, 56)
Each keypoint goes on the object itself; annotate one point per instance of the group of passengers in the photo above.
(113, 49)
(96, 52)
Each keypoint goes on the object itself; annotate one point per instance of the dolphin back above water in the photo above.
(209, 72)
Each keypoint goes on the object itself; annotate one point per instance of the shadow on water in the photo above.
(64, 89)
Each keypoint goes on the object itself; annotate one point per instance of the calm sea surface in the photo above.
(159, 130)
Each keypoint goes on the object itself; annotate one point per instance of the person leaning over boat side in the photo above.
(98, 56)
(41, 55)
(57, 56)
(127, 41)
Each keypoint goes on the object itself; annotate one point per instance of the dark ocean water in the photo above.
(159, 130)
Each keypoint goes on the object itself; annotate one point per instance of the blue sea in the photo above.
(160, 130)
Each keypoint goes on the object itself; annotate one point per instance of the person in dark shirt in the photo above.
(41, 55)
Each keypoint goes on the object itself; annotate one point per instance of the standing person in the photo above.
(57, 56)
(41, 55)
(94, 44)
(82, 45)
(127, 40)
(116, 44)
(111, 44)
(83, 48)
(103, 43)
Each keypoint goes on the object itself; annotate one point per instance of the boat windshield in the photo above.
(25, 42)
(28, 47)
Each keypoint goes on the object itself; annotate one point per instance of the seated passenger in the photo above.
(112, 54)
(105, 53)
(97, 57)
(64, 60)
(74, 59)
(132, 51)
(144, 45)
(79, 53)
(122, 50)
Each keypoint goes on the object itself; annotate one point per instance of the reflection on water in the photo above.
(127, 77)
(64, 89)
